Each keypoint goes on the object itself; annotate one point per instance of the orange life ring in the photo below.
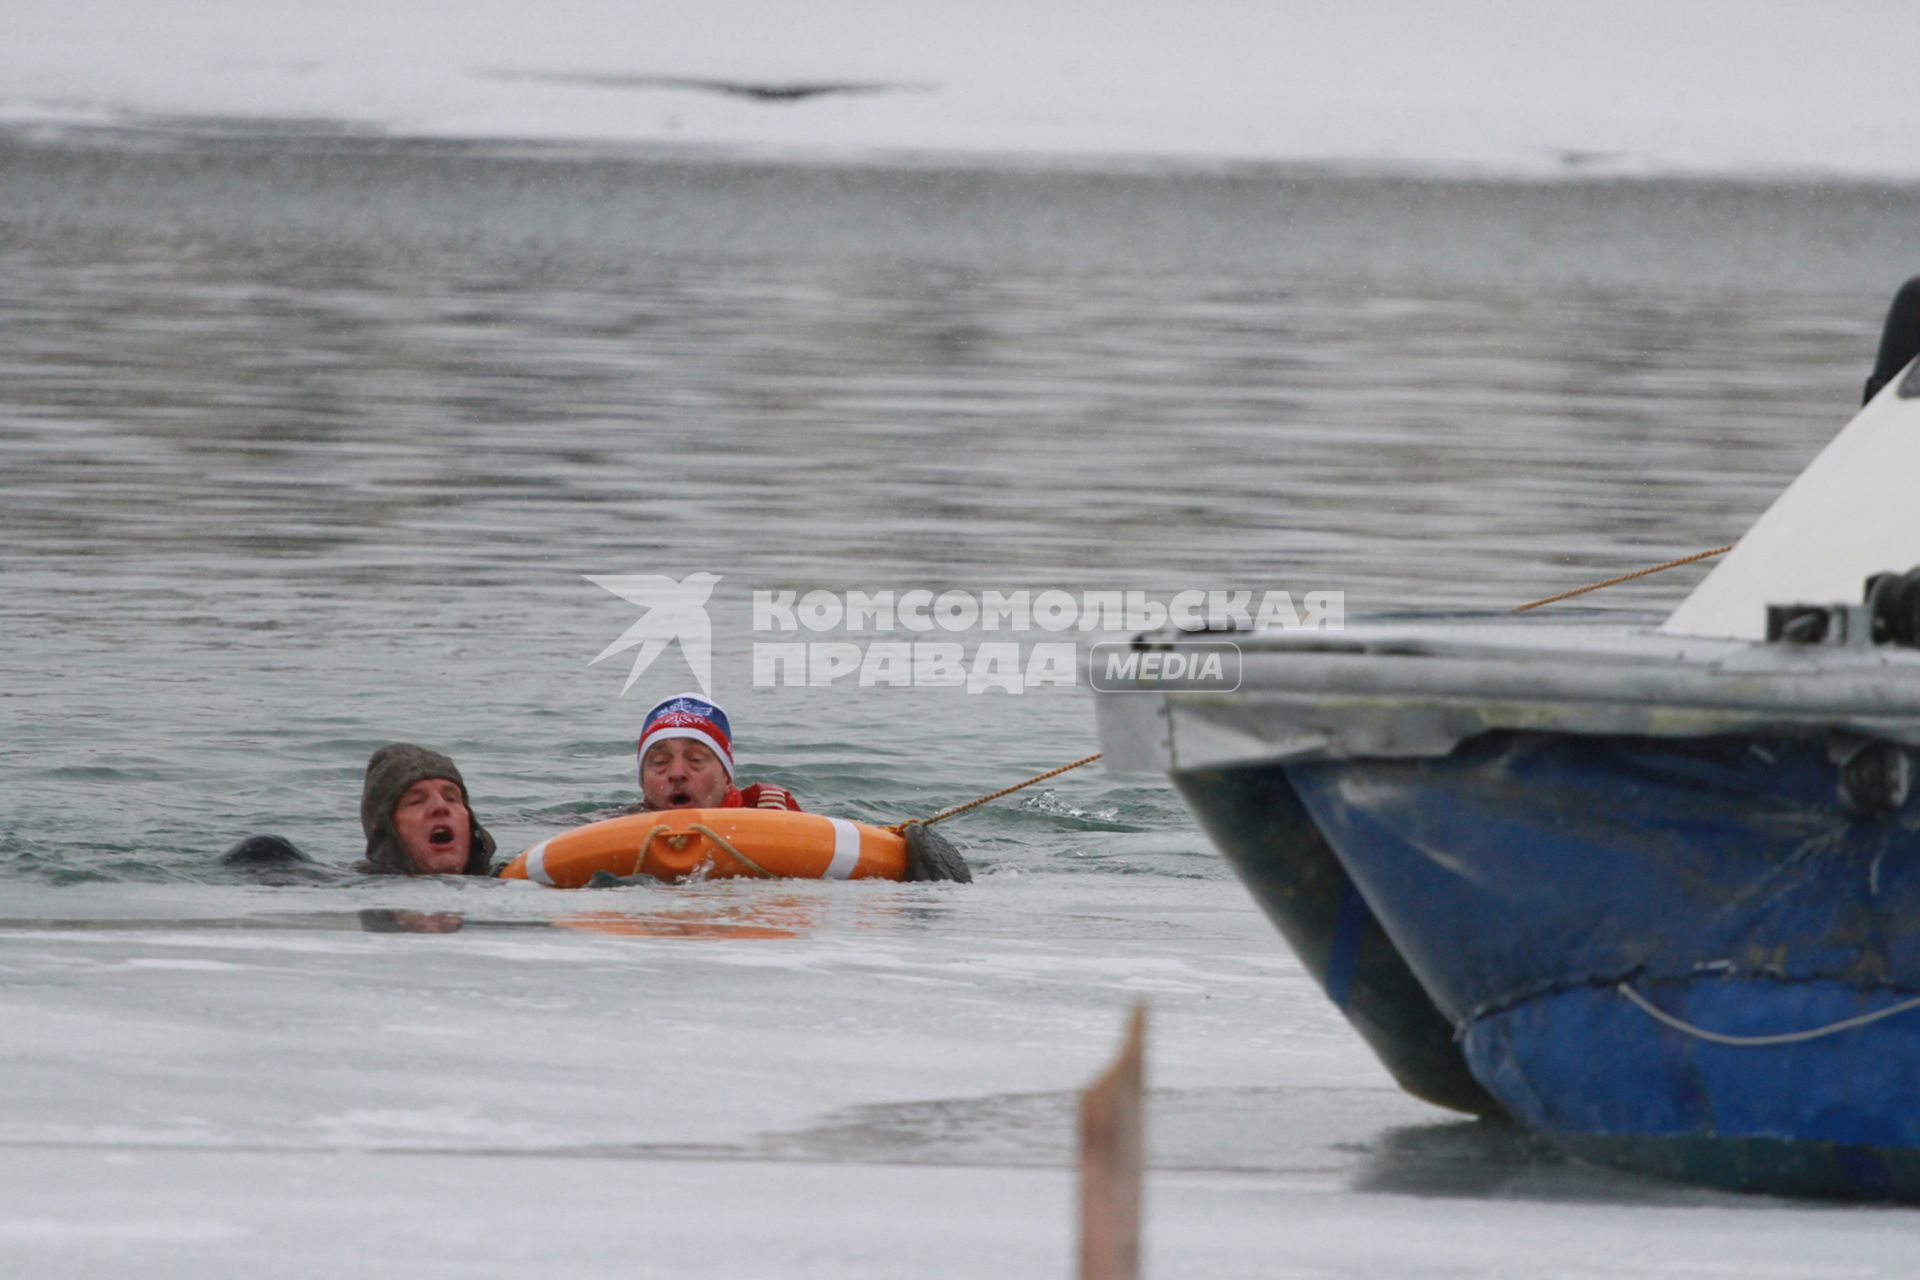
(674, 844)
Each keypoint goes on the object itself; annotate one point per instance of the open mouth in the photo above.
(441, 835)
(679, 800)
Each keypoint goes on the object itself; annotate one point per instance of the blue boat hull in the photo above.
(1823, 1117)
(1591, 913)
(1254, 818)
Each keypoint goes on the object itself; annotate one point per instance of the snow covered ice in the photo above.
(1555, 87)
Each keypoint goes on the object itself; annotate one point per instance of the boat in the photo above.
(1656, 879)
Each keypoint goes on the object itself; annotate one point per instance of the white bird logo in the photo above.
(671, 611)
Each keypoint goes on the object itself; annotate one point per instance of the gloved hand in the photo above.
(273, 860)
(764, 795)
(931, 856)
(263, 851)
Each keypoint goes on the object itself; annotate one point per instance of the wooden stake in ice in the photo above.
(1112, 1148)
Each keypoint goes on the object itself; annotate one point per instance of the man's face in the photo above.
(434, 827)
(682, 774)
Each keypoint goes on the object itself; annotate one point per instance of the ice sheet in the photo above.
(748, 1080)
(1557, 87)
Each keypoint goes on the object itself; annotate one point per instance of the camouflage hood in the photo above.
(393, 769)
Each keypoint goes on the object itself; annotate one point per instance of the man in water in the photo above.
(416, 815)
(418, 820)
(686, 762)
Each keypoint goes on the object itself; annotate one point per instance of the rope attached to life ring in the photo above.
(707, 831)
(695, 828)
(899, 828)
(640, 855)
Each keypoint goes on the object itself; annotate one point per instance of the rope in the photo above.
(899, 828)
(724, 843)
(1625, 577)
(645, 845)
(1660, 1015)
(699, 828)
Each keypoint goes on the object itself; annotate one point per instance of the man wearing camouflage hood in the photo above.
(417, 817)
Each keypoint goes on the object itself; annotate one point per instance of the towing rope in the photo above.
(899, 828)
(1661, 1016)
(1625, 577)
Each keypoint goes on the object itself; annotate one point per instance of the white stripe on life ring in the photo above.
(537, 864)
(846, 850)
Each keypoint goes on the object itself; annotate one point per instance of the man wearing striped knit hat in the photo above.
(686, 760)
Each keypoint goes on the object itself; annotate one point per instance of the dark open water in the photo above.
(304, 446)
